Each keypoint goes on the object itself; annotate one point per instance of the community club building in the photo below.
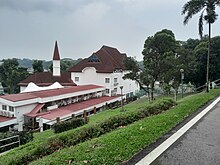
(47, 96)
(106, 68)
(42, 108)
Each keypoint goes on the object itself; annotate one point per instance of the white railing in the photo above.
(11, 143)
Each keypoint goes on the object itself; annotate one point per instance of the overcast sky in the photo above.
(29, 28)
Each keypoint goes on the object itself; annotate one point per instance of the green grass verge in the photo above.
(41, 139)
(121, 144)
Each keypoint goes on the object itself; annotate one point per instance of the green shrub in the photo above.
(25, 137)
(67, 125)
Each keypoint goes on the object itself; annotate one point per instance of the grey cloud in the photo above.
(41, 5)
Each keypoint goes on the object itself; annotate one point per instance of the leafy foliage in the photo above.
(67, 125)
(156, 50)
(38, 66)
(136, 73)
(193, 7)
(11, 74)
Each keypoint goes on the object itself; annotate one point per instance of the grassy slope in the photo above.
(123, 143)
(42, 138)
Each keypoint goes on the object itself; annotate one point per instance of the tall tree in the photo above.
(11, 74)
(136, 73)
(175, 62)
(156, 49)
(200, 54)
(38, 66)
(193, 7)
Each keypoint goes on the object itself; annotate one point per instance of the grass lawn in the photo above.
(121, 144)
(41, 138)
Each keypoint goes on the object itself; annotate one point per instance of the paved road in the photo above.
(200, 145)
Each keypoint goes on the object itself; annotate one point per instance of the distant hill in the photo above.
(27, 63)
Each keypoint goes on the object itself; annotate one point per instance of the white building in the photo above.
(104, 67)
(47, 105)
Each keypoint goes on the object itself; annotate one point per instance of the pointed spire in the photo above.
(56, 55)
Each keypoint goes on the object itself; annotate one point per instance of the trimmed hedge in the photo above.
(67, 125)
(91, 131)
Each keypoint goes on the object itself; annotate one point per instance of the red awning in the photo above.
(3, 118)
(34, 112)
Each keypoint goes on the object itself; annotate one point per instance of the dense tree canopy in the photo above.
(156, 50)
(207, 8)
(11, 74)
(38, 66)
(136, 73)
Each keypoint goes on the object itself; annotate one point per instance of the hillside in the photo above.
(27, 63)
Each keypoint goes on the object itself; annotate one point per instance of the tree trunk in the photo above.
(152, 91)
(175, 94)
(207, 67)
(148, 93)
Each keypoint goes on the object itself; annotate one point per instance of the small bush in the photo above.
(25, 137)
(67, 125)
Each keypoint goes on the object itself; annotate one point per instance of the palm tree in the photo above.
(193, 7)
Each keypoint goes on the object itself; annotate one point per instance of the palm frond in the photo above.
(217, 2)
(191, 8)
(201, 25)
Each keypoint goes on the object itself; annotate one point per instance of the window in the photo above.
(76, 79)
(107, 91)
(115, 90)
(4, 107)
(93, 58)
(107, 80)
(115, 81)
(11, 109)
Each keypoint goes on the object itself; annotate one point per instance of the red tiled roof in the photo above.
(109, 59)
(56, 55)
(70, 109)
(36, 114)
(48, 93)
(35, 110)
(47, 78)
(18, 97)
(3, 118)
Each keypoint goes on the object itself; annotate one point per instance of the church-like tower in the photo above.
(56, 61)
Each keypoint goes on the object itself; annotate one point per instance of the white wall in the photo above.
(22, 88)
(20, 111)
(56, 67)
(89, 76)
